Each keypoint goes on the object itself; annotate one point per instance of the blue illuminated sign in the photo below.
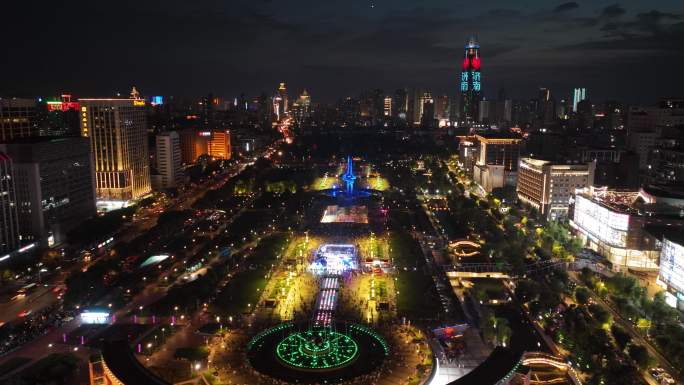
(476, 76)
(157, 100)
(464, 86)
(476, 86)
(464, 77)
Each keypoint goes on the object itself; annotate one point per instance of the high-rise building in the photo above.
(193, 145)
(578, 94)
(9, 225)
(117, 129)
(427, 116)
(219, 145)
(63, 117)
(281, 103)
(471, 81)
(497, 163)
(387, 108)
(168, 156)
(17, 119)
(547, 107)
(671, 271)
(54, 186)
(415, 106)
(400, 103)
(468, 154)
(648, 127)
(301, 108)
(549, 187)
(207, 112)
(442, 109)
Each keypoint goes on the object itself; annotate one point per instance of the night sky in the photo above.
(631, 51)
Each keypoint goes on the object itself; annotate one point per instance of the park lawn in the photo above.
(246, 287)
(417, 298)
(406, 251)
(241, 291)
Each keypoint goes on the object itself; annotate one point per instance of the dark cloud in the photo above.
(566, 7)
(612, 11)
(332, 49)
(503, 12)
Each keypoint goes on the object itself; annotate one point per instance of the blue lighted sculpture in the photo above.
(349, 176)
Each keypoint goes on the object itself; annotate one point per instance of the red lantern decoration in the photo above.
(466, 63)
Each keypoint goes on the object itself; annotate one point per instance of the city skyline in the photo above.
(336, 51)
(363, 192)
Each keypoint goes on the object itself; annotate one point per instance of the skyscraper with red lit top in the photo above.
(470, 82)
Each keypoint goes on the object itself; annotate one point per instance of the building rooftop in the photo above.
(672, 233)
(498, 135)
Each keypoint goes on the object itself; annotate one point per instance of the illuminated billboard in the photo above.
(95, 317)
(601, 223)
(672, 265)
(157, 100)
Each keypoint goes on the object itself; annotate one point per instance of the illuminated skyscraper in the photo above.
(470, 81)
(117, 129)
(219, 145)
(53, 184)
(284, 100)
(387, 108)
(578, 95)
(9, 226)
(169, 159)
(17, 119)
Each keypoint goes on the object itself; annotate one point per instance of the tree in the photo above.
(601, 315)
(640, 356)
(503, 331)
(622, 338)
(582, 295)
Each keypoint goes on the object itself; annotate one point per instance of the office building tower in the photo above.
(471, 82)
(168, 156)
(207, 112)
(400, 103)
(549, 187)
(280, 102)
(53, 184)
(427, 113)
(117, 129)
(219, 145)
(193, 144)
(301, 108)
(415, 106)
(652, 128)
(547, 108)
(578, 94)
(442, 109)
(9, 229)
(63, 117)
(387, 107)
(497, 163)
(468, 154)
(17, 119)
